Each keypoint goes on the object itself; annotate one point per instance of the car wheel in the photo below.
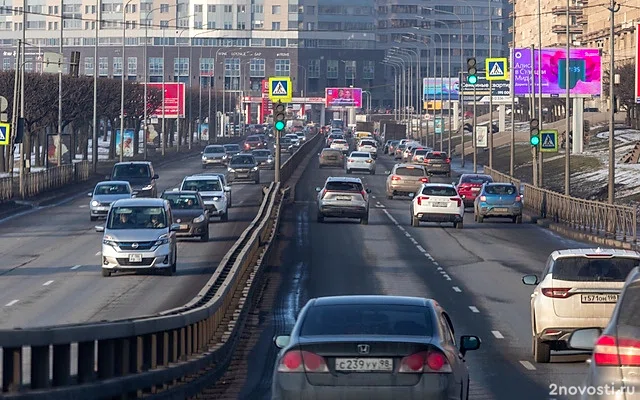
(204, 166)
(94, 218)
(224, 217)
(257, 181)
(475, 217)
(415, 221)
(541, 351)
(106, 273)
(390, 196)
(480, 219)
(518, 219)
(459, 225)
(365, 220)
(205, 237)
(372, 172)
(320, 218)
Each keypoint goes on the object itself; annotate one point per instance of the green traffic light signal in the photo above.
(534, 140)
(280, 125)
(472, 79)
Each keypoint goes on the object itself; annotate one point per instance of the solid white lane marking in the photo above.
(47, 283)
(528, 365)
(474, 309)
(12, 302)
(77, 266)
(456, 289)
(497, 334)
(98, 253)
(421, 249)
(390, 217)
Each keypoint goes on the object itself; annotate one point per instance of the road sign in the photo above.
(549, 141)
(5, 132)
(482, 136)
(280, 89)
(496, 69)
(501, 90)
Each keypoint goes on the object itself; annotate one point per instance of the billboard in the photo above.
(585, 72)
(440, 88)
(53, 148)
(638, 63)
(128, 142)
(203, 129)
(174, 99)
(343, 97)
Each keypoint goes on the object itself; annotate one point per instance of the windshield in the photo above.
(328, 152)
(112, 189)
(340, 141)
(410, 171)
(593, 269)
(344, 186)
(434, 156)
(476, 179)
(253, 139)
(363, 155)
(231, 147)
(367, 319)
(506, 190)
(131, 171)
(182, 201)
(420, 152)
(439, 191)
(262, 153)
(214, 149)
(242, 160)
(137, 218)
(202, 185)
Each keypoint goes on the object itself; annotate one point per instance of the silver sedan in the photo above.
(106, 193)
(361, 161)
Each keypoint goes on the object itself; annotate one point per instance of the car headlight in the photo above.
(148, 187)
(216, 198)
(254, 168)
(108, 240)
(95, 203)
(204, 158)
(163, 239)
(224, 157)
(270, 160)
(199, 219)
(231, 170)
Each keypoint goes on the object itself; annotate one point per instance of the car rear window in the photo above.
(476, 179)
(433, 156)
(262, 153)
(630, 306)
(367, 319)
(410, 171)
(344, 186)
(232, 147)
(253, 139)
(131, 171)
(439, 191)
(585, 269)
(331, 152)
(421, 152)
(361, 155)
(402, 146)
(339, 141)
(507, 190)
(367, 143)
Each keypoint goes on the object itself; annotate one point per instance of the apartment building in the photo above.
(551, 27)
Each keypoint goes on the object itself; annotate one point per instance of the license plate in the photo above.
(135, 258)
(436, 165)
(364, 364)
(501, 210)
(343, 198)
(599, 298)
(243, 175)
(439, 204)
(475, 189)
(184, 226)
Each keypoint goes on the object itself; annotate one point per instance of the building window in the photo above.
(275, 26)
(332, 69)
(181, 66)
(228, 8)
(156, 66)
(6, 64)
(368, 69)
(283, 67)
(206, 66)
(117, 66)
(103, 66)
(231, 67)
(314, 69)
(88, 66)
(275, 10)
(256, 68)
(350, 69)
(242, 9)
(211, 24)
(241, 26)
(228, 25)
(197, 8)
(211, 8)
(164, 8)
(132, 66)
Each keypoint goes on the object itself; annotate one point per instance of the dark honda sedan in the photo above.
(370, 348)
(188, 210)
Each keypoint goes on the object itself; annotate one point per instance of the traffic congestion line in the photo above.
(47, 283)
(76, 267)
(474, 309)
(12, 302)
(497, 334)
(528, 365)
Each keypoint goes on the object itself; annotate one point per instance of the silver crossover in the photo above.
(343, 197)
(106, 193)
(214, 155)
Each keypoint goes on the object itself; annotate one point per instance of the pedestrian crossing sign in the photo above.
(549, 141)
(5, 132)
(280, 89)
(496, 69)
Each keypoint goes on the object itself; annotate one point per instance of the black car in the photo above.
(139, 174)
(243, 167)
(188, 211)
(286, 145)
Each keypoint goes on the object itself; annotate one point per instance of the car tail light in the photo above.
(324, 191)
(350, 160)
(302, 361)
(363, 193)
(483, 198)
(432, 361)
(448, 161)
(424, 180)
(421, 199)
(396, 178)
(518, 198)
(369, 161)
(617, 352)
(458, 200)
(556, 293)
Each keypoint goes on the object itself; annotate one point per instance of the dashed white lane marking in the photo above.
(497, 334)
(401, 228)
(474, 309)
(98, 253)
(421, 249)
(12, 302)
(373, 197)
(528, 365)
(447, 277)
(440, 269)
(456, 289)
(77, 266)
(413, 240)
(395, 221)
(378, 205)
(435, 263)
(83, 206)
(407, 234)
(47, 283)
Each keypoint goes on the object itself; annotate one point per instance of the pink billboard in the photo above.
(343, 97)
(174, 99)
(585, 72)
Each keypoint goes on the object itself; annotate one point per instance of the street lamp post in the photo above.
(94, 143)
(59, 145)
(613, 9)
(425, 96)
(411, 82)
(475, 116)
(395, 88)
(124, 64)
(403, 85)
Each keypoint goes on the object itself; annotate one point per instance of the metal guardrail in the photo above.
(595, 217)
(149, 355)
(38, 182)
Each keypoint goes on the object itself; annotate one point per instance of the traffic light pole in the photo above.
(278, 155)
(279, 117)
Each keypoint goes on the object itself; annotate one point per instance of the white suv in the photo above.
(368, 146)
(579, 289)
(213, 193)
(436, 202)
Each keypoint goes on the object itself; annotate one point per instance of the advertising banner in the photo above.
(482, 137)
(343, 97)
(128, 142)
(638, 63)
(585, 72)
(153, 136)
(53, 148)
(440, 88)
(438, 125)
(174, 99)
(203, 131)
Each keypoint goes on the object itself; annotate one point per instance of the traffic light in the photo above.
(472, 71)
(74, 64)
(279, 116)
(534, 132)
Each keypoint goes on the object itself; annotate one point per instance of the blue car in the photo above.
(498, 200)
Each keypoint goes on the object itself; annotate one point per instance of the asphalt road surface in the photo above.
(475, 273)
(50, 270)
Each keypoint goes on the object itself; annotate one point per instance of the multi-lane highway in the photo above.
(475, 273)
(50, 272)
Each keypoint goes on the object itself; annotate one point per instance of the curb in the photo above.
(292, 182)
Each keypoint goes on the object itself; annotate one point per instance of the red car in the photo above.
(470, 185)
(253, 143)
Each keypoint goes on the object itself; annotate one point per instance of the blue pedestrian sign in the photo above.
(280, 89)
(549, 141)
(5, 132)
(496, 69)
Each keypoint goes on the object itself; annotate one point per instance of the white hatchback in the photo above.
(368, 146)
(435, 202)
(340, 144)
(360, 161)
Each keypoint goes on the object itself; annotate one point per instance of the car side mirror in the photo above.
(469, 343)
(387, 172)
(90, 194)
(202, 152)
(368, 190)
(227, 188)
(584, 339)
(454, 183)
(174, 227)
(155, 176)
(281, 341)
(99, 228)
(318, 189)
(530, 280)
